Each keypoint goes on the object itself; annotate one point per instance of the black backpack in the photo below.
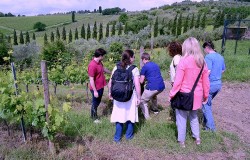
(122, 83)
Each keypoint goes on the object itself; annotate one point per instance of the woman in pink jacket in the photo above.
(188, 70)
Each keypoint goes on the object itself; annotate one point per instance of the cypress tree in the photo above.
(27, 38)
(192, 22)
(197, 24)
(169, 25)
(222, 17)
(34, 36)
(94, 36)
(88, 32)
(174, 26)
(100, 9)
(185, 28)
(120, 29)
(113, 30)
(107, 30)
(45, 39)
(64, 34)
(57, 34)
(217, 20)
(70, 36)
(52, 37)
(83, 31)
(100, 32)
(179, 26)
(21, 38)
(126, 28)
(76, 34)
(203, 21)
(15, 38)
(156, 27)
(73, 16)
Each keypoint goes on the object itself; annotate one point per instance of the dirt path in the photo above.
(231, 109)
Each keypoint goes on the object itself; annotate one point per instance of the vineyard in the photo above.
(44, 86)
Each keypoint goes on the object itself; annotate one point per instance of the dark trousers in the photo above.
(95, 103)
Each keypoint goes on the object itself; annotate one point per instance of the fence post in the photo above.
(16, 91)
(224, 37)
(237, 37)
(46, 98)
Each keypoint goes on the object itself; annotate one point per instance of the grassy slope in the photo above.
(7, 24)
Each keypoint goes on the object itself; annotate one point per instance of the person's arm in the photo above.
(178, 80)
(109, 84)
(142, 78)
(109, 89)
(106, 70)
(209, 63)
(137, 89)
(92, 83)
(143, 73)
(205, 84)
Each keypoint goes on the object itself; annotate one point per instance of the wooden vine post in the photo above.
(16, 91)
(46, 98)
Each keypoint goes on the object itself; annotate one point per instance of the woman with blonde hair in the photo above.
(188, 70)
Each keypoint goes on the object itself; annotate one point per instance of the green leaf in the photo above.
(66, 106)
(50, 109)
(58, 120)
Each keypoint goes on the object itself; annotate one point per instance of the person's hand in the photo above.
(110, 97)
(169, 99)
(138, 101)
(96, 95)
(205, 100)
(172, 83)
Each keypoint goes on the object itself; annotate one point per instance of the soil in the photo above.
(231, 110)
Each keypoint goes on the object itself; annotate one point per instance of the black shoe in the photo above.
(156, 111)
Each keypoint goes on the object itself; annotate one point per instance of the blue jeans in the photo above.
(95, 102)
(207, 108)
(119, 129)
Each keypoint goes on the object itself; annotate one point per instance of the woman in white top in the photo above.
(175, 51)
(126, 112)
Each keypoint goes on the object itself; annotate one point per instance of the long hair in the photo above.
(174, 48)
(126, 55)
(192, 47)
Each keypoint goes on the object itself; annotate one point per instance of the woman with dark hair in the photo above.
(175, 51)
(216, 66)
(126, 112)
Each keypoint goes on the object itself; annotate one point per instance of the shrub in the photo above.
(39, 26)
(25, 55)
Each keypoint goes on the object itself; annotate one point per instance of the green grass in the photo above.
(209, 28)
(25, 153)
(237, 65)
(158, 133)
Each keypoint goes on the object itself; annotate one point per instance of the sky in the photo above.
(35, 7)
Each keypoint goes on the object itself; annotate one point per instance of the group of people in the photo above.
(187, 62)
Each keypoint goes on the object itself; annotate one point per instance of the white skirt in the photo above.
(125, 111)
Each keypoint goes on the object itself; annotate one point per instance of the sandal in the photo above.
(198, 141)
